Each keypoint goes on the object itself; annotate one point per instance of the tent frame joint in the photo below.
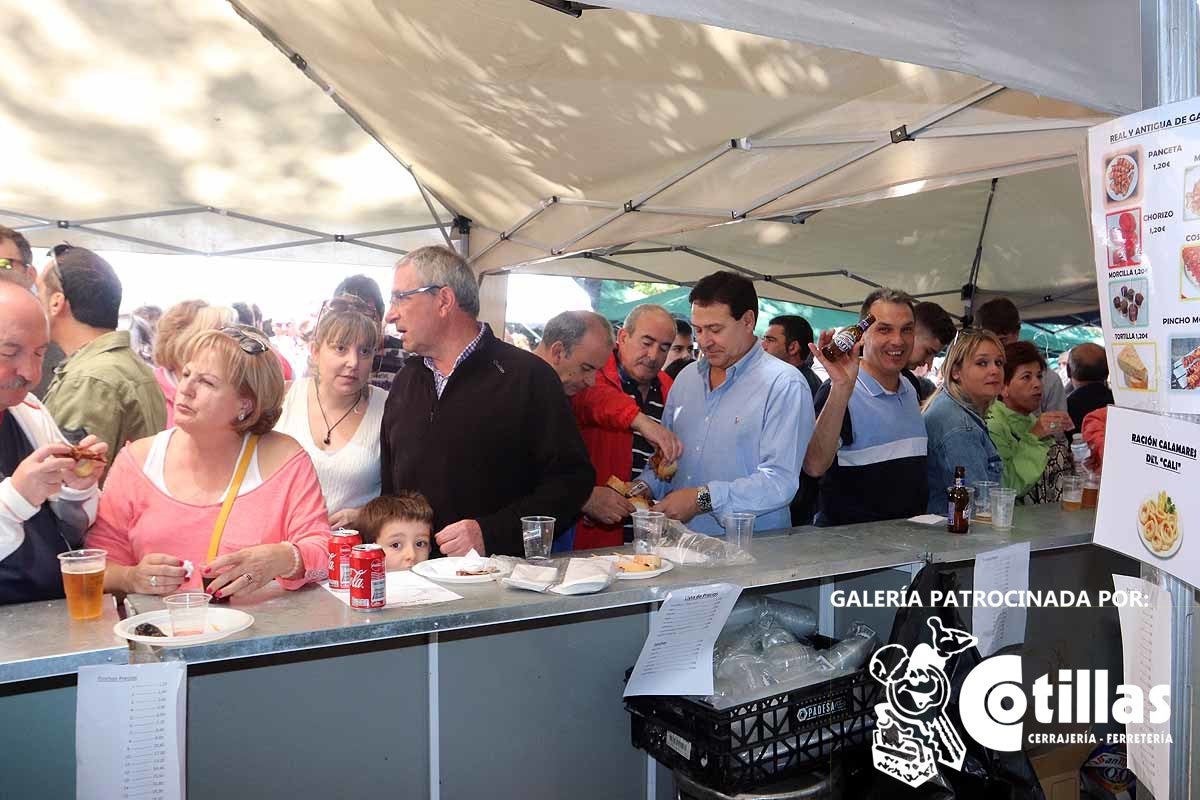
(900, 134)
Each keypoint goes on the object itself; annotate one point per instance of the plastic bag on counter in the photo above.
(767, 612)
(533, 577)
(1106, 776)
(586, 576)
(686, 547)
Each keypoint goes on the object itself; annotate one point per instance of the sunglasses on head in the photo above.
(13, 263)
(347, 302)
(249, 343)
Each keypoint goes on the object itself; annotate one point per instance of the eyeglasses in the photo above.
(249, 343)
(347, 302)
(13, 263)
(398, 296)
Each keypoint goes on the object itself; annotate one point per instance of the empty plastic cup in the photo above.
(1003, 501)
(983, 499)
(538, 533)
(189, 612)
(739, 528)
(647, 530)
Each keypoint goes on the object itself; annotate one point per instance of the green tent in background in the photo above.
(1051, 339)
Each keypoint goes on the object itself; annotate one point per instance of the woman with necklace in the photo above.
(335, 414)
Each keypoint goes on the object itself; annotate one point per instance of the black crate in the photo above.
(763, 740)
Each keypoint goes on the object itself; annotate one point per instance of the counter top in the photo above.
(38, 640)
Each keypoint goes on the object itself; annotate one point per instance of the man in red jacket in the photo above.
(620, 417)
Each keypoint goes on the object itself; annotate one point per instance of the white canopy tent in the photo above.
(555, 135)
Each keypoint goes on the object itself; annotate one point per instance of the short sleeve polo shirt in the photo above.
(879, 470)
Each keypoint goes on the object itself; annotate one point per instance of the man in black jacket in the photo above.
(481, 428)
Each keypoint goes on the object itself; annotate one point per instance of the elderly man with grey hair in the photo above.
(576, 344)
(481, 428)
(45, 506)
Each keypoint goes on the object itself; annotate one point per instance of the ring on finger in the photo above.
(154, 580)
(249, 576)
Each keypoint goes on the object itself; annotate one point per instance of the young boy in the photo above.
(402, 524)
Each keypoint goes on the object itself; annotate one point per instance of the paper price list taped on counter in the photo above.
(129, 732)
(1144, 172)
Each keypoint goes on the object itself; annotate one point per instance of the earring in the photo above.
(241, 416)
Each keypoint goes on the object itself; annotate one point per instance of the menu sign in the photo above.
(1149, 507)
(1145, 185)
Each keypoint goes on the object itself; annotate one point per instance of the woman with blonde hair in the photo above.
(972, 378)
(336, 414)
(220, 489)
(180, 323)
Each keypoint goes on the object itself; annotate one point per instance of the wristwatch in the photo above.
(704, 500)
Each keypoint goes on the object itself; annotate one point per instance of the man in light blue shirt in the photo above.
(744, 417)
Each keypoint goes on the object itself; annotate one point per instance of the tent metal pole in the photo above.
(429, 204)
(265, 247)
(372, 246)
(605, 204)
(224, 212)
(643, 251)
(758, 276)
(873, 147)
(521, 223)
(855, 277)
(683, 211)
(640, 200)
(174, 212)
(652, 276)
(428, 226)
(18, 215)
(973, 277)
(136, 240)
(1032, 126)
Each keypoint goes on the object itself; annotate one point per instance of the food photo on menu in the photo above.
(1191, 193)
(1159, 525)
(1136, 365)
(1128, 298)
(1124, 238)
(1185, 363)
(1189, 280)
(1122, 176)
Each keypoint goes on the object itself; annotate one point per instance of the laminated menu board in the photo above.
(1145, 197)
(1149, 504)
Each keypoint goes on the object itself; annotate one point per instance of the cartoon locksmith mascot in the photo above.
(913, 730)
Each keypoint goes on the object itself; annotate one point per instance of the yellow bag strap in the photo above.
(239, 474)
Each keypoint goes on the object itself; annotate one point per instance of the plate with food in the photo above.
(1121, 177)
(1191, 267)
(461, 569)
(1158, 525)
(154, 627)
(1191, 193)
(639, 567)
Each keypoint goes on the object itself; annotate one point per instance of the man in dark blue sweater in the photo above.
(481, 428)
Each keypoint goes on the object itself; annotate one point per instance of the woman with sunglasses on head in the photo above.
(335, 414)
(1034, 460)
(972, 377)
(220, 489)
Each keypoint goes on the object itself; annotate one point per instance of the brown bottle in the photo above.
(958, 519)
(844, 340)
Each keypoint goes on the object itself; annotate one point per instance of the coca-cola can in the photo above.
(341, 542)
(368, 580)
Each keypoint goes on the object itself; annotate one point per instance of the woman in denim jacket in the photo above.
(973, 376)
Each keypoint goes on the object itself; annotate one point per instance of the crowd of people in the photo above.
(228, 464)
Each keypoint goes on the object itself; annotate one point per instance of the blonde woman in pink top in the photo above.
(164, 493)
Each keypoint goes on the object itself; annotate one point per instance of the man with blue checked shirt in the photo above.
(744, 418)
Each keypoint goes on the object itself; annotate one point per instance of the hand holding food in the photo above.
(609, 505)
(89, 458)
(41, 475)
(664, 469)
(657, 434)
(680, 504)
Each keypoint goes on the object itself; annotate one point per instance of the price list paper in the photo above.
(1144, 171)
(677, 658)
(129, 732)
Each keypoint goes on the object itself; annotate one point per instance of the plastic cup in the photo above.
(83, 581)
(647, 530)
(189, 612)
(538, 533)
(1003, 501)
(1072, 492)
(983, 499)
(739, 528)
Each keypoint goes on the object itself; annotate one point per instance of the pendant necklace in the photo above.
(329, 428)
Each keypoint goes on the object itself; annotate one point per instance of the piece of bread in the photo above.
(1130, 363)
(85, 461)
(664, 471)
(651, 561)
(625, 565)
(617, 485)
(640, 503)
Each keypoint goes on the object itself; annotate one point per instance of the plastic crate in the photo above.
(763, 740)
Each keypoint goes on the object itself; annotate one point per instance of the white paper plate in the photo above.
(667, 566)
(1137, 526)
(1133, 181)
(442, 570)
(221, 622)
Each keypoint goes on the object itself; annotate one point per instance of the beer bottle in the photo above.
(844, 340)
(958, 519)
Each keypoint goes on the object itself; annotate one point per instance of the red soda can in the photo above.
(340, 543)
(368, 580)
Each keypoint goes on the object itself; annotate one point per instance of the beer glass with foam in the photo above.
(83, 581)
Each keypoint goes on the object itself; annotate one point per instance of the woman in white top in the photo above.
(335, 414)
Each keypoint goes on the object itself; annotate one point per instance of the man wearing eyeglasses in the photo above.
(480, 427)
(16, 258)
(102, 387)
